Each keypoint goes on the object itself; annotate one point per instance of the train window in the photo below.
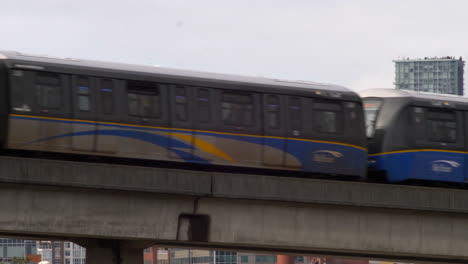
(107, 99)
(351, 109)
(84, 104)
(441, 125)
(83, 92)
(204, 113)
(143, 99)
(237, 109)
(295, 114)
(49, 90)
(328, 117)
(371, 109)
(181, 103)
(273, 111)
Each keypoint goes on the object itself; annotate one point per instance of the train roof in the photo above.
(391, 92)
(46, 63)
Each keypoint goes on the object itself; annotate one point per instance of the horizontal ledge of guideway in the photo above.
(226, 185)
(238, 224)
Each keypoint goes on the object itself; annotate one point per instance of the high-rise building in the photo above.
(436, 75)
(16, 248)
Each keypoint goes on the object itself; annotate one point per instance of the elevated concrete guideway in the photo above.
(119, 210)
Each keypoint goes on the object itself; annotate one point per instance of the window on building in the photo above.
(49, 90)
(244, 259)
(298, 259)
(237, 108)
(265, 259)
(226, 257)
(144, 99)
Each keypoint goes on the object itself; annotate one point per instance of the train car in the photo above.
(61, 105)
(416, 136)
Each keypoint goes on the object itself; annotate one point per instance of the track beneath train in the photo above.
(372, 178)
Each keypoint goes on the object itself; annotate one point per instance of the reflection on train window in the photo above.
(181, 104)
(442, 126)
(143, 99)
(48, 90)
(84, 104)
(107, 98)
(203, 98)
(294, 114)
(351, 110)
(237, 109)
(273, 111)
(328, 117)
(83, 94)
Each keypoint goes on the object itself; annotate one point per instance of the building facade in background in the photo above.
(63, 252)
(196, 256)
(16, 248)
(155, 255)
(437, 75)
(60, 252)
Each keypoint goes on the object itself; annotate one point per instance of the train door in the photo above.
(3, 104)
(52, 92)
(83, 113)
(440, 131)
(240, 117)
(205, 144)
(274, 141)
(464, 130)
(25, 92)
(181, 142)
(146, 135)
(294, 131)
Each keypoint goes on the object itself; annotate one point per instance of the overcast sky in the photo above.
(345, 42)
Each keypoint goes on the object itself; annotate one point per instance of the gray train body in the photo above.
(152, 113)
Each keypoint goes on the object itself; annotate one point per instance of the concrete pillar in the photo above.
(95, 255)
(284, 259)
(103, 251)
(131, 256)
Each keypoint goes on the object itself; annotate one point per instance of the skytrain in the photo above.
(416, 136)
(132, 112)
(60, 105)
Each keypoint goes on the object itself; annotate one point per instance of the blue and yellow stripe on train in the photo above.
(197, 146)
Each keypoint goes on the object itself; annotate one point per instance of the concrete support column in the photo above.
(131, 256)
(284, 259)
(100, 255)
(103, 251)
